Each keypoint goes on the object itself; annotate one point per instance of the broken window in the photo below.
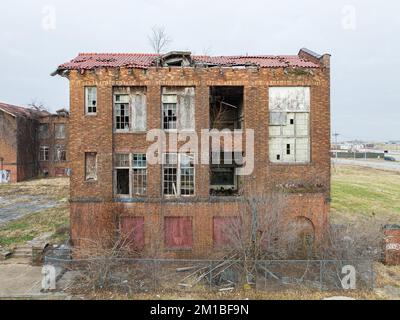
(59, 130)
(186, 175)
(178, 174)
(91, 100)
(178, 108)
(44, 153)
(139, 174)
(131, 170)
(169, 112)
(90, 166)
(60, 153)
(122, 162)
(121, 102)
(223, 178)
(170, 176)
(289, 125)
(226, 107)
(43, 131)
(130, 112)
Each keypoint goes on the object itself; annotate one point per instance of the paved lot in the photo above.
(19, 280)
(383, 165)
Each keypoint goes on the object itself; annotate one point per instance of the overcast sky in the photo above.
(362, 36)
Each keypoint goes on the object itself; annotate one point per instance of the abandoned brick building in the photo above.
(53, 144)
(25, 148)
(181, 205)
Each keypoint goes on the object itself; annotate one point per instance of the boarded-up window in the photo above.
(178, 233)
(60, 172)
(59, 130)
(132, 231)
(226, 231)
(91, 166)
(139, 113)
(289, 124)
(186, 105)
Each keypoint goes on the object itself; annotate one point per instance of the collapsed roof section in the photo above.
(17, 111)
(90, 61)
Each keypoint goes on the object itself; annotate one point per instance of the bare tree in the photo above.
(37, 105)
(159, 39)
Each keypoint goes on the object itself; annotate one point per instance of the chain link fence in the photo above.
(163, 275)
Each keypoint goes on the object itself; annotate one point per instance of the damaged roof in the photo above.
(17, 111)
(90, 61)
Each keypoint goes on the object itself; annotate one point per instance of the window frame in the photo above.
(131, 169)
(63, 149)
(178, 167)
(139, 169)
(46, 153)
(285, 137)
(168, 106)
(64, 131)
(96, 166)
(128, 110)
(86, 90)
(40, 133)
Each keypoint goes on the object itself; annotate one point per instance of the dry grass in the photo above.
(52, 220)
(239, 295)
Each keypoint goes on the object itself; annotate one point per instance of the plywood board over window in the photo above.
(289, 124)
(91, 166)
(178, 232)
(132, 232)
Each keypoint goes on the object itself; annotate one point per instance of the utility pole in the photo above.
(336, 135)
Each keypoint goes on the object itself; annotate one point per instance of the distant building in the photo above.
(20, 141)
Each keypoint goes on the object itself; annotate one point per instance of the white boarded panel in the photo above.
(186, 109)
(275, 131)
(288, 129)
(139, 112)
(275, 149)
(288, 150)
(302, 124)
(302, 150)
(277, 118)
(290, 99)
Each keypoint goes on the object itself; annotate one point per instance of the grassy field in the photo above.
(52, 220)
(364, 192)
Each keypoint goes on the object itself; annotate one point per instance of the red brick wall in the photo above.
(54, 168)
(8, 144)
(95, 134)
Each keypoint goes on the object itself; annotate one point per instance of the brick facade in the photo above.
(19, 142)
(55, 167)
(93, 205)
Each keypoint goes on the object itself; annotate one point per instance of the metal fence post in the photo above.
(321, 265)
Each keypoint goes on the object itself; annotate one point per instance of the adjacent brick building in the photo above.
(20, 142)
(178, 208)
(53, 144)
